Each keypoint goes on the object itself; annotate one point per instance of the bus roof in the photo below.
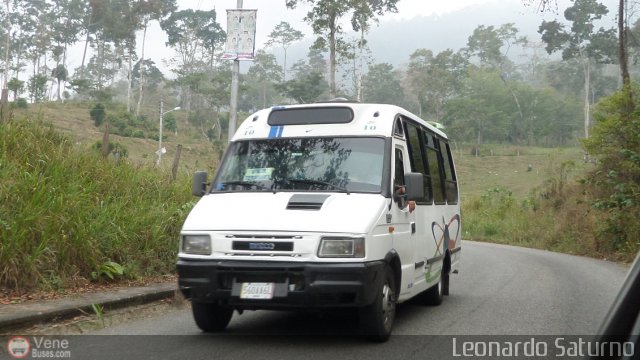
(324, 120)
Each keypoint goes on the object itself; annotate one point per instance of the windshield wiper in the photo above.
(318, 182)
(244, 183)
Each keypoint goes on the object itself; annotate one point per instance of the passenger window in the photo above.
(434, 165)
(398, 181)
(451, 184)
(417, 163)
(416, 152)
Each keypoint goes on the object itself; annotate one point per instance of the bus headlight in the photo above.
(341, 247)
(196, 244)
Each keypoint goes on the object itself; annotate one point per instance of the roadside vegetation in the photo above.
(69, 216)
(584, 209)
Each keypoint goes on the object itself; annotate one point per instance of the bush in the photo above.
(69, 212)
(615, 182)
(21, 103)
(98, 113)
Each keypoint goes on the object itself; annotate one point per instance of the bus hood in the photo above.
(286, 211)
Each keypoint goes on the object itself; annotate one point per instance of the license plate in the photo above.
(256, 291)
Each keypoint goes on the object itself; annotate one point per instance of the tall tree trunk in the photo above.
(141, 69)
(587, 85)
(622, 46)
(332, 56)
(264, 95)
(84, 53)
(64, 63)
(6, 50)
(57, 77)
(361, 66)
(129, 81)
(284, 66)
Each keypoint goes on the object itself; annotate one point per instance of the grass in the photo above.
(508, 168)
(545, 209)
(65, 212)
(72, 118)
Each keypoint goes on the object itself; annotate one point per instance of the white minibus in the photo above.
(322, 206)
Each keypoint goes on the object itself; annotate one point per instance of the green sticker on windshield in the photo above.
(257, 174)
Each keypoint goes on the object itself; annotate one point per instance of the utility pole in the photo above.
(161, 150)
(160, 136)
(233, 107)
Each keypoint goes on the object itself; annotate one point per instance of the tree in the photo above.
(194, 35)
(60, 73)
(98, 114)
(262, 78)
(68, 15)
(170, 123)
(38, 87)
(148, 10)
(16, 86)
(483, 111)
(324, 18)
(153, 75)
(581, 42)
(436, 79)
(491, 46)
(308, 84)
(284, 35)
(381, 85)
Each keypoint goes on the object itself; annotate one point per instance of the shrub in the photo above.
(21, 103)
(98, 113)
(615, 182)
(68, 212)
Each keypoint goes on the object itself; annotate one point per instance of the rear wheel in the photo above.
(433, 295)
(377, 318)
(211, 317)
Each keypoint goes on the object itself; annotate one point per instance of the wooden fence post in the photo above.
(176, 162)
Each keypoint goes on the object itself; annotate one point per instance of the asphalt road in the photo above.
(500, 290)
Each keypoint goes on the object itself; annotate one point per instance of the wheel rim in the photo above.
(440, 288)
(388, 305)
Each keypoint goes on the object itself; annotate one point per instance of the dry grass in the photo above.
(72, 118)
(506, 169)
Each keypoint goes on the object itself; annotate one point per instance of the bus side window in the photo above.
(435, 168)
(398, 181)
(416, 157)
(451, 184)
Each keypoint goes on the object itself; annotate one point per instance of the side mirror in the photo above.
(414, 186)
(199, 185)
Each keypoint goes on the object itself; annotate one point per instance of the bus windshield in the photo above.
(307, 164)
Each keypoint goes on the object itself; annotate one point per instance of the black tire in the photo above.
(376, 319)
(211, 317)
(433, 296)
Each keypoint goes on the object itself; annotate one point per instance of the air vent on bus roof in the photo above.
(310, 115)
(306, 202)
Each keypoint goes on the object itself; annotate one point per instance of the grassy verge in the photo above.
(558, 216)
(69, 216)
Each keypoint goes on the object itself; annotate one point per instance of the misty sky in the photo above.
(271, 12)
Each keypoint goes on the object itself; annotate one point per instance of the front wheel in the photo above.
(376, 319)
(211, 317)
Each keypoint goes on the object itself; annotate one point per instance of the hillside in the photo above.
(73, 118)
(69, 216)
(498, 165)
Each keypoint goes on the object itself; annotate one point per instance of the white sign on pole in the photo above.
(241, 35)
